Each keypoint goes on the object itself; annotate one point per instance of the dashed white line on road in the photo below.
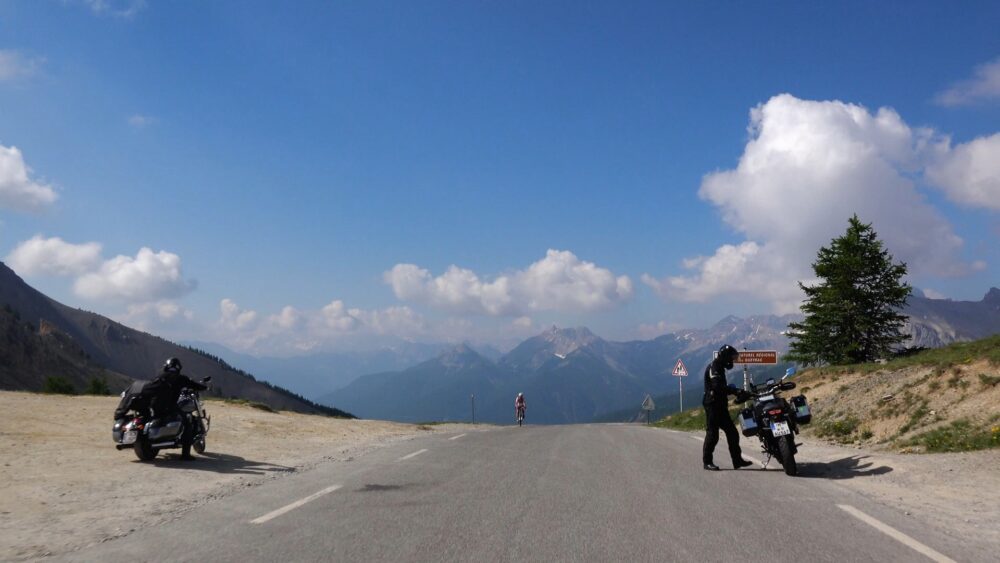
(275, 513)
(456, 437)
(896, 534)
(414, 454)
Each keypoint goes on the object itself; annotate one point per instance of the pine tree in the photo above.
(852, 315)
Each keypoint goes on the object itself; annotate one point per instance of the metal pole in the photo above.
(680, 381)
(473, 408)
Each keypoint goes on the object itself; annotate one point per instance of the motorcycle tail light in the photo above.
(774, 411)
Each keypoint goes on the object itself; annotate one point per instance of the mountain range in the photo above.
(572, 375)
(44, 338)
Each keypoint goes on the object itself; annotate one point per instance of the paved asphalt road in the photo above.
(541, 493)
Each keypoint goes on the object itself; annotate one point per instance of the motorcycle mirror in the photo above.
(789, 372)
(206, 379)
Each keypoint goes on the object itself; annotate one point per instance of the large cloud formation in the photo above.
(809, 166)
(149, 276)
(17, 190)
(558, 282)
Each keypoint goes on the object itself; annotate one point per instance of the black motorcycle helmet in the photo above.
(728, 355)
(173, 365)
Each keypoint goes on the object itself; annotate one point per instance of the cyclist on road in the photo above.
(520, 406)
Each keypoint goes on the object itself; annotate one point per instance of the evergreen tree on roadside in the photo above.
(852, 315)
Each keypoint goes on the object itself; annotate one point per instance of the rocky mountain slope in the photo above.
(116, 348)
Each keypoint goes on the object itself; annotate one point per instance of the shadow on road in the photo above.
(220, 463)
(844, 468)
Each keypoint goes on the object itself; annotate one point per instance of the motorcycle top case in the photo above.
(747, 422)
(803, 415)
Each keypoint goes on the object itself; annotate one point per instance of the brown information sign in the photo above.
(758, 357)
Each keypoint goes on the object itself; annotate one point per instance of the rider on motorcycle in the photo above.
(164, 391)
(519, 404)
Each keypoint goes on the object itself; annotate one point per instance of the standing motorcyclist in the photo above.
(164, 391)
(717, 412)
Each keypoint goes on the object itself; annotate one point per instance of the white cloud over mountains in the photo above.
(18, 191)
(983, 86)
(809, 166)
(558, 282)
(145, 278)
(54, 257)
(295, 330)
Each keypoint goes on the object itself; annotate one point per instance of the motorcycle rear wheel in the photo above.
(787, 456)
(144, 450)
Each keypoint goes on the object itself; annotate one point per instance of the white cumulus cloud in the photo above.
(17, 190)
(149, 276)
(54, 257)
(807, 168)
(983, 86)
(558, 282)
(969, 173)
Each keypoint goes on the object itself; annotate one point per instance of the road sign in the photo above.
(647, 405)
(680, 370)
(758, 357)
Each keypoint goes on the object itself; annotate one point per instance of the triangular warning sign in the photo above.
(648, 405)
(680, 370)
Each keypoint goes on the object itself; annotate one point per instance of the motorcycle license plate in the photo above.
(129, 437)
(780, 428)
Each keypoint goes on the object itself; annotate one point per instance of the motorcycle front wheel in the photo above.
(787, 457)
(199, 445)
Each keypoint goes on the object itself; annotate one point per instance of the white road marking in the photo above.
(456, 437)
(274, 514)
(693, 437)
(896, 534)
(414, 454)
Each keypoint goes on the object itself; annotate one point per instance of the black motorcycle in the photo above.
(773, 419)
(146, 436)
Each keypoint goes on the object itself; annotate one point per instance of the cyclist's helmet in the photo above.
(520, 394)
(173, 365)
(728, 355)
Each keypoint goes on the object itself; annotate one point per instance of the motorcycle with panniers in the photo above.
(135, 429)
(773, 419)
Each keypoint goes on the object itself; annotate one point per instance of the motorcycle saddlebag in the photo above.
(163, 429)
(747, 422)
(803, 415)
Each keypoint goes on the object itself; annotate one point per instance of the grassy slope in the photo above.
(947, 399)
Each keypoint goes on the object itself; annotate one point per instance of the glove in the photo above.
(741, 396)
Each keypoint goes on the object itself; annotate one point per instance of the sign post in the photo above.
(680, 372)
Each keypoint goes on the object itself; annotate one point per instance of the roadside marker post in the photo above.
(680, 372)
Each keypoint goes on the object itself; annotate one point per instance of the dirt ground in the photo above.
(63, 486)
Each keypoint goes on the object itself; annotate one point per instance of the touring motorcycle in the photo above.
(773, 419)
(134, 428)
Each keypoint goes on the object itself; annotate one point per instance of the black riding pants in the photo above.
(716, 417)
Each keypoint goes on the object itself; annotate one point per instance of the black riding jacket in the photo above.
(716, 388)
(165, 389)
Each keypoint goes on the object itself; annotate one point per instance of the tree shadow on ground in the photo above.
(219, 463)
(844, 468)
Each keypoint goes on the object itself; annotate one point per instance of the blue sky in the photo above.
(322, 175)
